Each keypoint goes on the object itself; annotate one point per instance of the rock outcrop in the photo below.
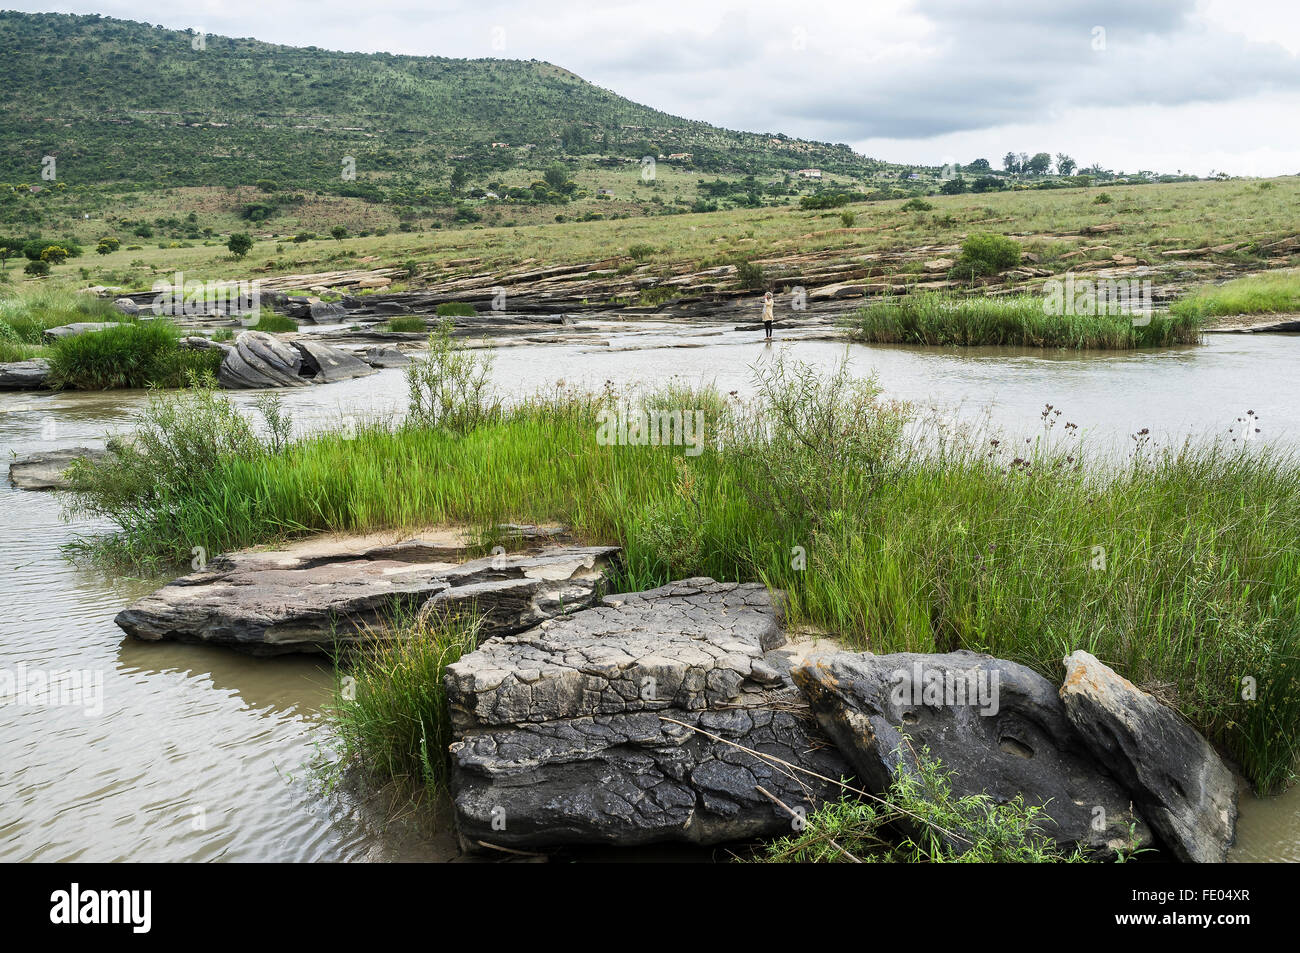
(321, 596)
(385, 356)
(325, 364)
(997, 726)
(24, 375)
(259, 360)
(76, 328)
(45, 470)
(1177, 780)
(644, 719)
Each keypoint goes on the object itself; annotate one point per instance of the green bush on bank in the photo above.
(144, 354)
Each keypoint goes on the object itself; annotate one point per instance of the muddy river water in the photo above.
(201, 754)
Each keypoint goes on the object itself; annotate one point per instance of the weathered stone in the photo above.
(318, 597)
(75, 329)
(325, 364)
(45, 470)
(997, 726)
(640, 778)
(260, 360)
(374, 282)
(127, 306)
(24, 375)
(582, 729)
(1177, 780)
(385, 356)
(696, 641)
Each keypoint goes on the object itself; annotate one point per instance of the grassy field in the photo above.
(1277, 293)
(1179, 569)
(1047, 224)
(1019, 321)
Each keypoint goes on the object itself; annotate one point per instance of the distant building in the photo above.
(679, 157)
(810, 173)
(500, 145)
(609, 192)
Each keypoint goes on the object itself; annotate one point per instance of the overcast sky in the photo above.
(1192, 85)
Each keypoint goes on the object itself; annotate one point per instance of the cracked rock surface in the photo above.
(582, 729)
(321, 595)
(998, 726)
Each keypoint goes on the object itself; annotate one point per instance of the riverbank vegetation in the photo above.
(1178, 567)
(1277, 293)
(1016, 321)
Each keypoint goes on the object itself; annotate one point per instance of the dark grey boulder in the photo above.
(46, 470)
(260, 360)
(127, 306)
(24, 375)
(640, 778)
(997, 726)
(582, 730)
(1177, 780)
(325, 364)
(319, 596)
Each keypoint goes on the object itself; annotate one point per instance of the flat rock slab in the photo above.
(325, 364)
(689, 645)
(1177, 780)
(385, 356)
(24, 375)
(641, 778)
(997, 726)
(326, 597)
(45, 470)
(75, 329)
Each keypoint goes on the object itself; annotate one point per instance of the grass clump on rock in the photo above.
(408, 324)
(131, 355)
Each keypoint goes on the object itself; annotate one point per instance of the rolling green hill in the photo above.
(128, 103)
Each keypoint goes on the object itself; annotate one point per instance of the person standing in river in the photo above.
(767, 315)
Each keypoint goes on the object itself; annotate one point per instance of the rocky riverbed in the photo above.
(688, 713)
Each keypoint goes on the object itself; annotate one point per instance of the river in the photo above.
(202, 754)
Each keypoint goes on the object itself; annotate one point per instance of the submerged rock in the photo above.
(997, 726)
(582, 730)
(1178, 781)
(24, 375)
(45, 470)
(319, 597)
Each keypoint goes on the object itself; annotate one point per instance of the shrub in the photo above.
(240, 244)
(1102, 199)
(916, 205)
(750, 275)
(848, 218)
(129, 355)
(641, 251)
(451, 389)
(986, 254)
(920, 820)
(37, 269)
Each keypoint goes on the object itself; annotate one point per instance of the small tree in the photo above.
(240, 243)
(1065, 165)
(1039, 164)
(339, 233)
(107, 245)
(54, 254)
